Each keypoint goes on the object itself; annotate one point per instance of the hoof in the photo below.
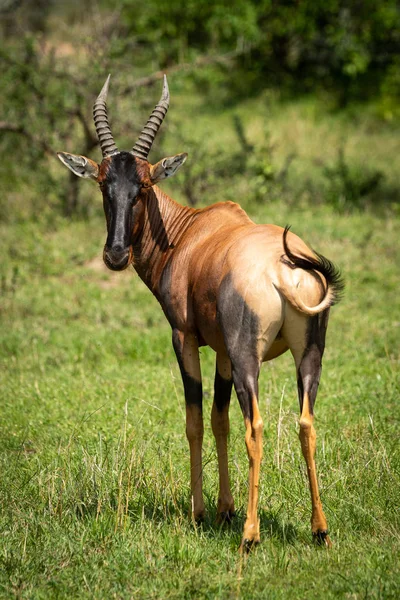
(321, 538)
(199, 519)
(248, 545)
(226, 516)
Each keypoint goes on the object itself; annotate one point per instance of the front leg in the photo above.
(187, 352)
(220, 427)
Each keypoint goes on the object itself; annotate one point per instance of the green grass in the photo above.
(94, 474)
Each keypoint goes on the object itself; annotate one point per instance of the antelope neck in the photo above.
(164, 223)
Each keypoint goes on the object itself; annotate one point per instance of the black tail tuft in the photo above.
(319, 263)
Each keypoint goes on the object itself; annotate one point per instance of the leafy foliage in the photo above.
(347, 186)
(54, 62)
(350, 48)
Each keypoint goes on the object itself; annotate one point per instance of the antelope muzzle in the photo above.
(117, 258)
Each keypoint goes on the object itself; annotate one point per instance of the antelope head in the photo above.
(122, 177)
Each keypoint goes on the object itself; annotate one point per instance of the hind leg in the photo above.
(308, 438)
(245, 378)
(249, 330)
(306, 339)
(220, 427)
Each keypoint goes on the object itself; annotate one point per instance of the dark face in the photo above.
(120, 187)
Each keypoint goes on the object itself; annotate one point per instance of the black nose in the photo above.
(117, 258)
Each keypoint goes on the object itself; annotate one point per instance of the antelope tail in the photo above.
(320, 264)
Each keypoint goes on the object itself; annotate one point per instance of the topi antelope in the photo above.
(249, 291)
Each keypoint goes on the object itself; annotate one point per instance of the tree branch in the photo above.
(91, 140)
(201, 61)
(21, 130)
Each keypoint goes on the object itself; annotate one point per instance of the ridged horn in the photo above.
(149, 132)
(103, 129)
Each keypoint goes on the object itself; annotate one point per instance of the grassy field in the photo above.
(94, 476)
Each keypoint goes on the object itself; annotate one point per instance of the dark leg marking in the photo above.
(192, 387)
(246, 385)
(222, 391)
(220, 427)
(186, 350)
(309, 372)
(240, 326)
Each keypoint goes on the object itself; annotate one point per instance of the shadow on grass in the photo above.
(159, 510)
(271, 526)
(279, 529)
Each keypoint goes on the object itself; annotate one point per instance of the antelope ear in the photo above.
(80, 165)
(166, 167)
